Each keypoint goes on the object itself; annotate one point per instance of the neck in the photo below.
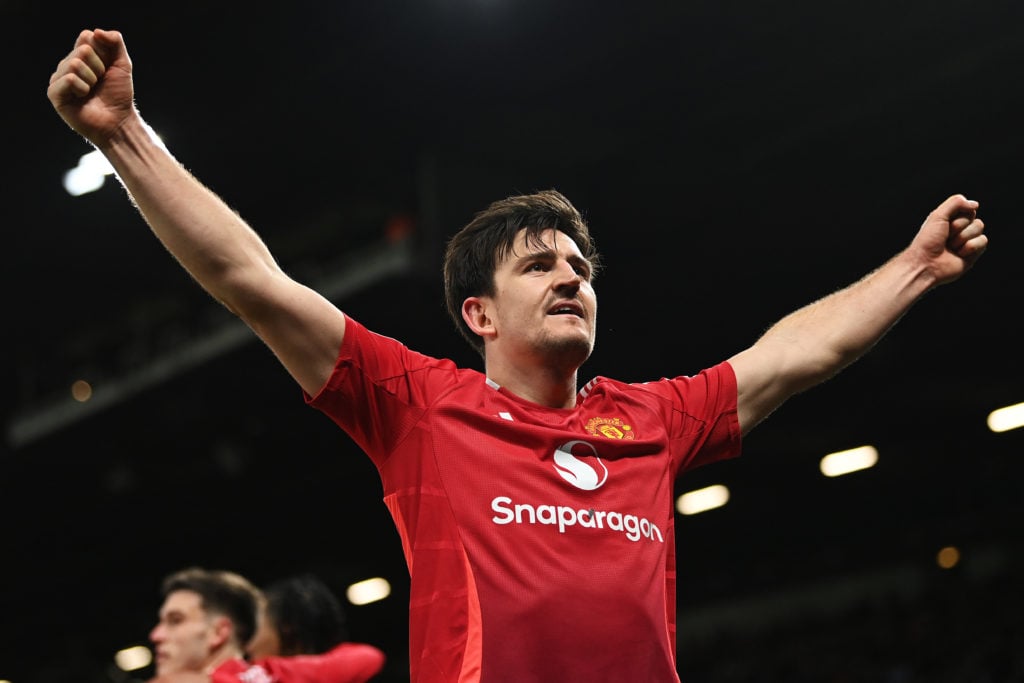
(225, 654)
(546, 386)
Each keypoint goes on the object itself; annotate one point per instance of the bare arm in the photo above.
(815, 342)
(93, 92)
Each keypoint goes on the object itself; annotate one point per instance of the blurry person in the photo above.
(206, 619)
(301, 615)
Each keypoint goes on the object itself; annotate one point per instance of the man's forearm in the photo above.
(823, 337)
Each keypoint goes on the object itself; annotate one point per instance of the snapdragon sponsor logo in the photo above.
(579, 473)
(564, 517)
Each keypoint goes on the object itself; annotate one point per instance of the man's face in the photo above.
(544, 308)
(186, 634)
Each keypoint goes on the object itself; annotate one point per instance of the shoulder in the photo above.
(235, 670)
(719, 375)
(365, 346)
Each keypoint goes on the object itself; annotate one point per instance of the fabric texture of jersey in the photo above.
(345, 663)
(539, 541)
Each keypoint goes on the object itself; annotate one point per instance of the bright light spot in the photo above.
(702, 500)
(79, 181)
(948, 557)
(92, 170)
(1005, 419)
(95, 162)
(81, 391)
(133, 658)
(844, 462)
(370, 590)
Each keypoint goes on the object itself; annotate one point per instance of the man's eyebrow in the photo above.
(544, 253)
(549, 254)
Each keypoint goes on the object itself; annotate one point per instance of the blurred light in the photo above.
(370, 590)
(81, 390)
(94, 162)
(1005, 419)
(948, 557)
(702, 500)
(92, 170)
(133, 658)
(398, 228)
(843, 462)
(79, 181)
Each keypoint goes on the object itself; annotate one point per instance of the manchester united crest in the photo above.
(610, 427)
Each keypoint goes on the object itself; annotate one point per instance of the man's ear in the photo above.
(475, 313)
(223, 630)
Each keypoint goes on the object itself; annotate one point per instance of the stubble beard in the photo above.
(568, 351)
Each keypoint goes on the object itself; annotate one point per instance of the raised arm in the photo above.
(93, 92)
(815, 342)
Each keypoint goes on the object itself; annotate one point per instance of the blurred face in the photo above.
(186, 636)
(266, 642)
(544, 308)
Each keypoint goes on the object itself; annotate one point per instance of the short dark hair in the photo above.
(220, 592)
(307, 615)
(472, 254)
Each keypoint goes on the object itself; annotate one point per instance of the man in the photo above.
(207, 619)
(299, 615)
(536, 517)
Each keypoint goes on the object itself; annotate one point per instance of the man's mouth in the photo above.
(567, 309)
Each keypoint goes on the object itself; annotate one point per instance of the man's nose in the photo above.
(566, 274)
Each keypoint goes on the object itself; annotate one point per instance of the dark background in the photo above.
(735, 160)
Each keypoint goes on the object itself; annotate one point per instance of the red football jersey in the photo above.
(345, 663)
(539, 541)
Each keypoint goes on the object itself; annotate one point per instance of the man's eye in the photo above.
(583, 270)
